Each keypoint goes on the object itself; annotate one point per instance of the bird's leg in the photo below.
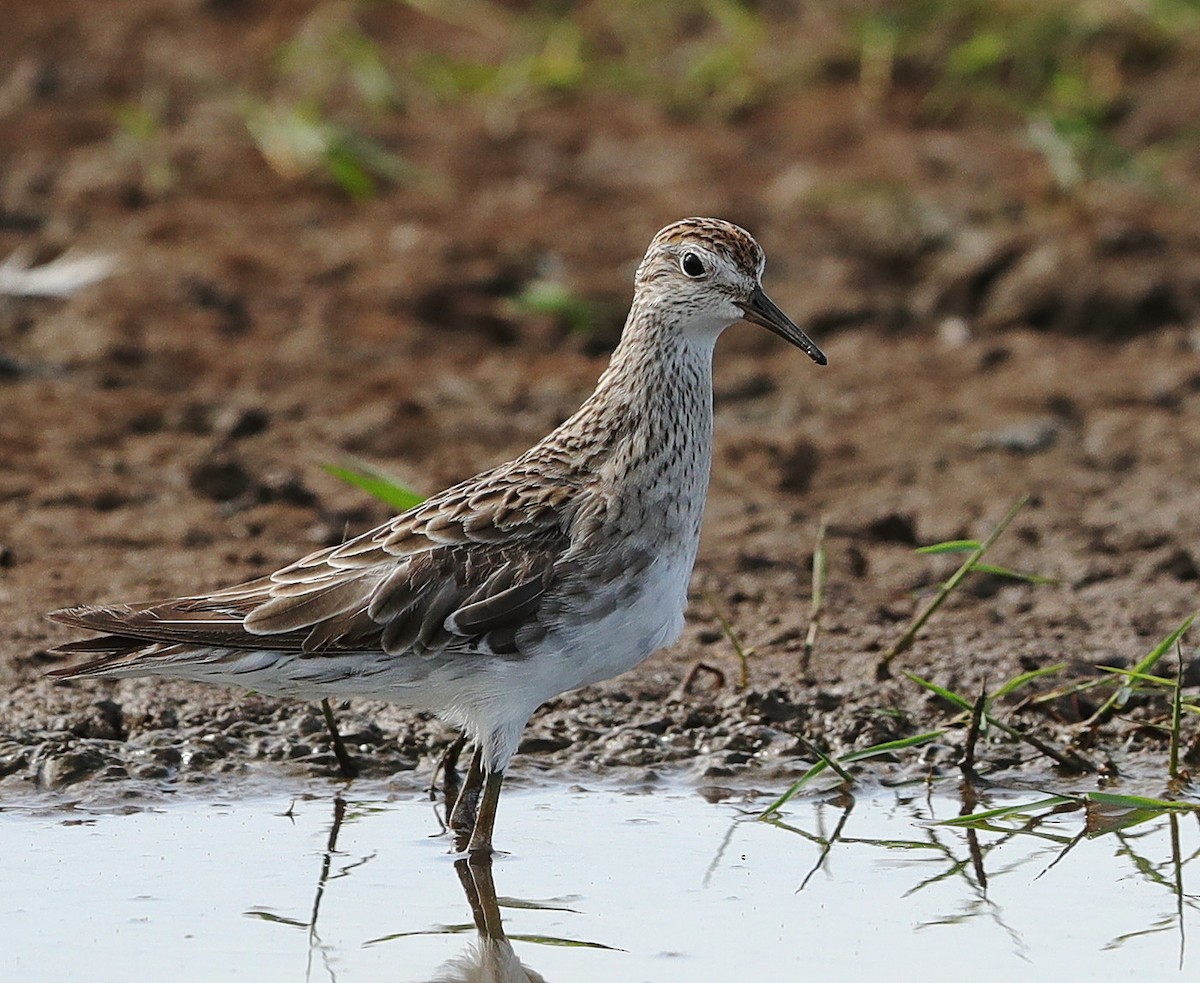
(462, 816)
(448, 766)
(346, 764)
(480, 847)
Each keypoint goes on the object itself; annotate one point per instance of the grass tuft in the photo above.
(1067, 759)
(1119, 698)
(742, 653)
(825, 762)
(905, 641)
(818, 598)
(141, 136)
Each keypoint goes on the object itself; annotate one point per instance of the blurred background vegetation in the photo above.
(999, 162)
(1066, 73)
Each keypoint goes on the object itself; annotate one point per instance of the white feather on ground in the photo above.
(61, 277)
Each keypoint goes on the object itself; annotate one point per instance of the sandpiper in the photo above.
(567, 565)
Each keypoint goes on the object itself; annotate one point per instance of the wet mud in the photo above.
(163, 432)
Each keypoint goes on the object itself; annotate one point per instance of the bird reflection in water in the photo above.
(489, 959)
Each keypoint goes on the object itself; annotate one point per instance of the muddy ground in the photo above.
(990, 334)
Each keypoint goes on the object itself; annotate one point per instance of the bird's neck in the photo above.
(659, 380)
(651, 410)
(646, 431)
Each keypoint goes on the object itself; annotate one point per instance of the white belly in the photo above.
(617, 641)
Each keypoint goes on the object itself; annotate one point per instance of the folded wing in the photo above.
(468, 569)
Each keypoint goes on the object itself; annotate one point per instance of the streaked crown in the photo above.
(707, 250)
(729, 244)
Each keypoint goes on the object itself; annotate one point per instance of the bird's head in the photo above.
(705, 274)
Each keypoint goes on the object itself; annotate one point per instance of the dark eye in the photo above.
(691, 264)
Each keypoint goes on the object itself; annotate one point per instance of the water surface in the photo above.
(600, 885)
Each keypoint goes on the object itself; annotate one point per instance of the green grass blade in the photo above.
(941, 691)
(1176, 715)
(558, 301)
(950, 546)
(269, 916)
(377, 484)
(459, 929)
(892, 844)
(525, 905)
(1118, 698)
(1002, 812)
(1026, 677)
(1067, 690)
(998, 571)
(1111, 813)
(1010, 831)
(818, 598)
(888, 746)
(731, 634)
(829, 761)
(1141, 802)
(1132, 676)
(793, 790)
(567, 943)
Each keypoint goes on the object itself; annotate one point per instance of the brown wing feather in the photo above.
(510, 606)
(287, 612)
(471, 564)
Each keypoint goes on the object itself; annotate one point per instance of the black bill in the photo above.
(760, 309)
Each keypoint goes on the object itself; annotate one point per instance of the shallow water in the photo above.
(605, 885)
